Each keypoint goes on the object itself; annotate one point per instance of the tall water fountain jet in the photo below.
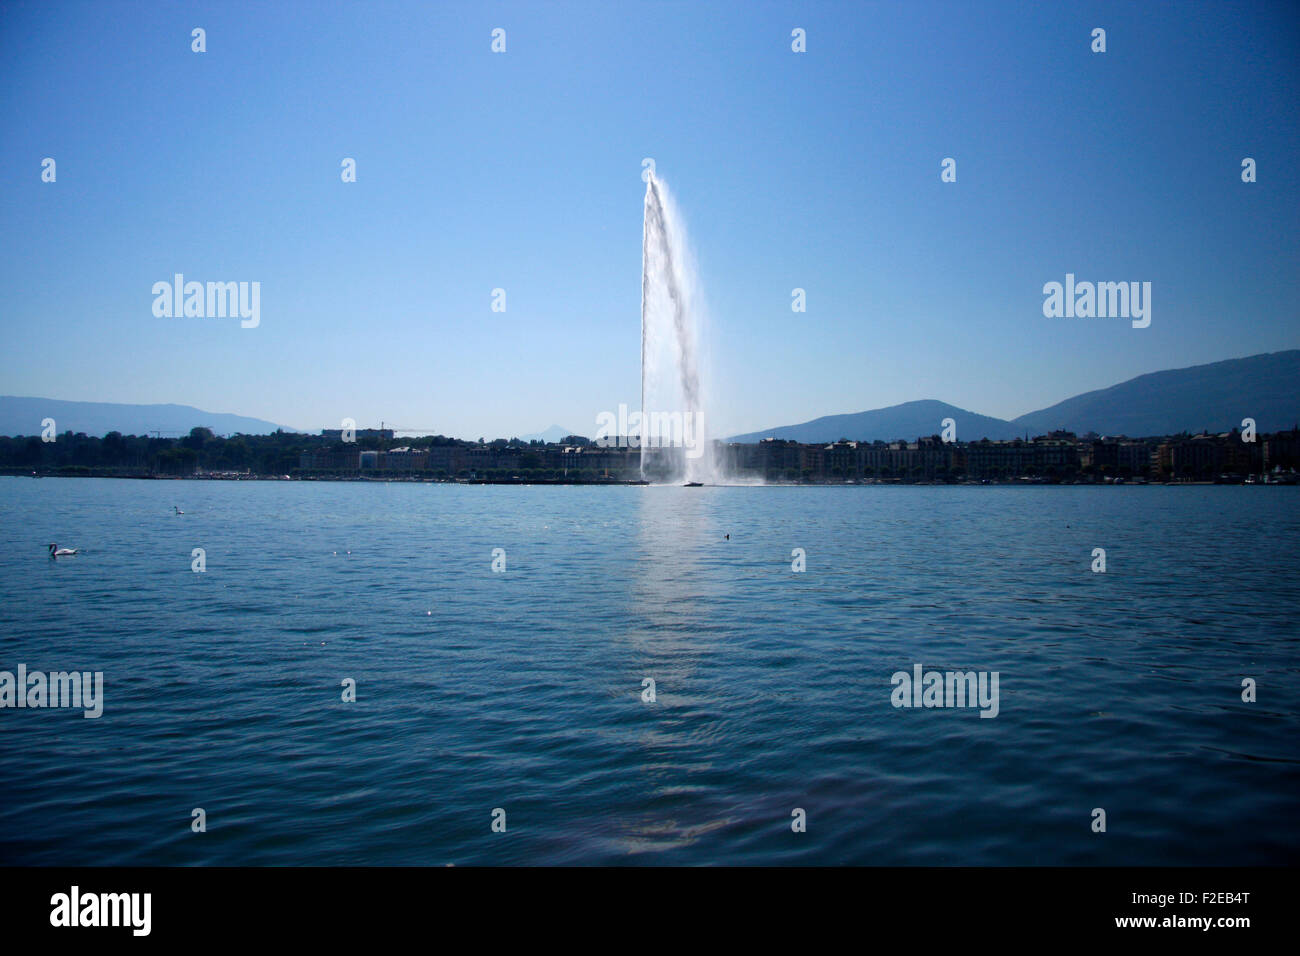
(671, 319)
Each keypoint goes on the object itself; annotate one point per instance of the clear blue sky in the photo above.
(522, 171)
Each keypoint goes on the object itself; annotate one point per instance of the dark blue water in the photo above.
(522, 690)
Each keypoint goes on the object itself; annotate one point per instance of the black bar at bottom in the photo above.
(214, 905)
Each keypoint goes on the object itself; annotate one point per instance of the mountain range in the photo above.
(23, 416)
(1214, 397)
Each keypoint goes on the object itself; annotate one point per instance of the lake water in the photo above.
(522, 689)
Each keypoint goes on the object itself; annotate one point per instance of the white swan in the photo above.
(57, 552)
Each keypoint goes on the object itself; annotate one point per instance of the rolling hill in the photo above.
(887, 424)
(1214, 397)
(23, 416)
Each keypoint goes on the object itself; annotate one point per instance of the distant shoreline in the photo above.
(621, 482)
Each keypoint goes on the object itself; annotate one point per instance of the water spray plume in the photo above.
(670, 331)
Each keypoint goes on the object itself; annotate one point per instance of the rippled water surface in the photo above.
(522, 690)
